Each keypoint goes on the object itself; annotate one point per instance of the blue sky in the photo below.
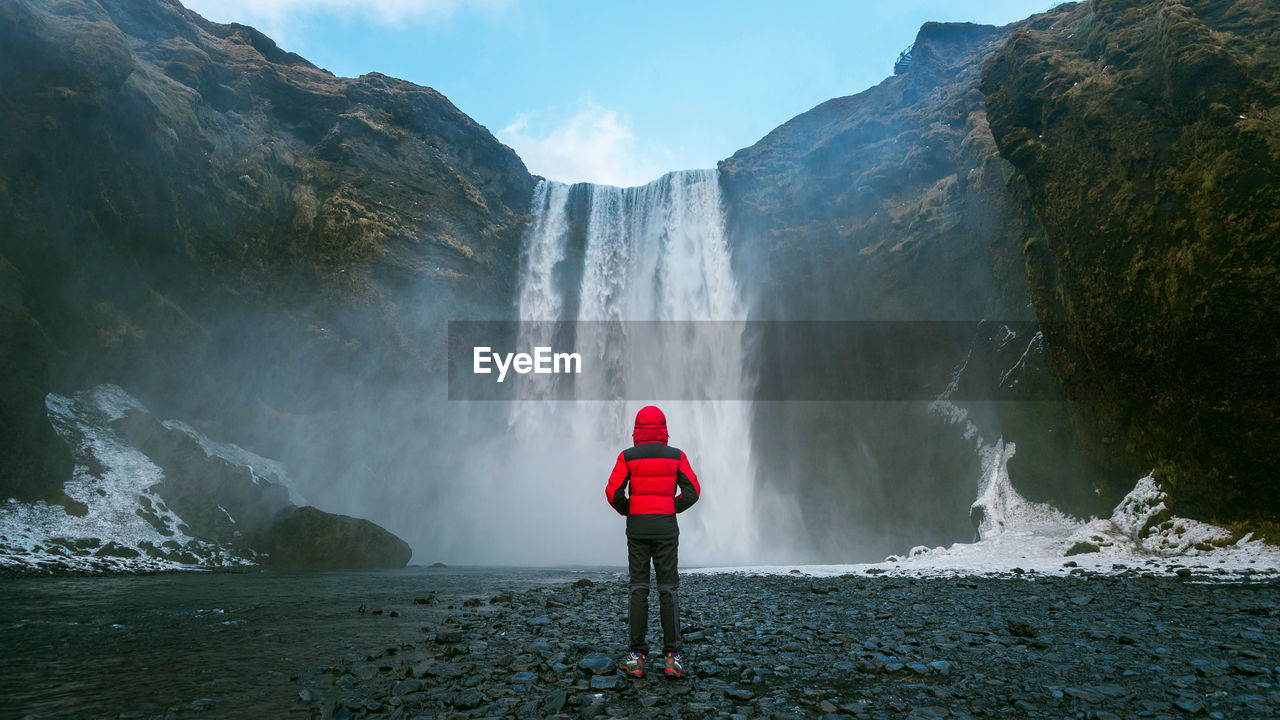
(611, 91)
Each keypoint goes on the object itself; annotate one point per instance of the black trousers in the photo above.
(662, 552)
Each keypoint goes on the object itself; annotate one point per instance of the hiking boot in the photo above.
(633, 664)
(675, 665)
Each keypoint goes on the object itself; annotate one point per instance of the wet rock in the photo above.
(1082, 548)
(308, 696)
(597, 664)
(311, 539)
(404, 687)
(604, 682)
(469, 699)
(707, 668)
(1020, 628)
(583, 583)
(1189, 705)
(774, 651)
(113, 549)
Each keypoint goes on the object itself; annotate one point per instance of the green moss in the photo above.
(1147, 134)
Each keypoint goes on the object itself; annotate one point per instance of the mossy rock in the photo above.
(1148, 136)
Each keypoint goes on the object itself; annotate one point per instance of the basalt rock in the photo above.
(210, 221)
(36, 462)
(895, 205)
(218, 500)
(306, 538)
(1147, 136)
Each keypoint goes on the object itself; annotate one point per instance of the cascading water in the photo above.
(652, 253)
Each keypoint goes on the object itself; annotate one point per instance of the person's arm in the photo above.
(687, 481)
(615, 491)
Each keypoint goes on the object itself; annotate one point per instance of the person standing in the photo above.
(643, 487)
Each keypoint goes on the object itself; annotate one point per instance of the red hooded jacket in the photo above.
(654, 471)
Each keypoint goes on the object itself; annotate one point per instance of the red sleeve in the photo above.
(615, 491)
(687, 481)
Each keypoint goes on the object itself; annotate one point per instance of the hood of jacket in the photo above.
(651, 426)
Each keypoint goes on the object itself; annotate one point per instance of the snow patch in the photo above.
(1142, 523)
(1022, 537)
(126, 528)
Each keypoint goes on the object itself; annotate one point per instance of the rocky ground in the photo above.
(1080, 645)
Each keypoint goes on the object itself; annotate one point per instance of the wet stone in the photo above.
(597, 664)
(405, 687)
(604, 682)
(468, 699)
(889, 647)
(1189, 705)
(1021, 628)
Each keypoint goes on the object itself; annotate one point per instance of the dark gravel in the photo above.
(1080, 646)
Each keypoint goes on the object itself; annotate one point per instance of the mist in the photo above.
(520, 481)
(277, 272)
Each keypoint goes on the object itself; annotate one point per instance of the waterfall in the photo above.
(656, 252)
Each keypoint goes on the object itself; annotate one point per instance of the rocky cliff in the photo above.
(892, 204)
(268, 252)
(147, 495)
(895, 205)
(238, 237)
(1148, 135)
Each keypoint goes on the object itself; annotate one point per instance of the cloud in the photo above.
(278, 14)
(591, 145)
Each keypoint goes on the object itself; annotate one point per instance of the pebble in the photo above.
(604, 682)
(598, 663)
(871, 646)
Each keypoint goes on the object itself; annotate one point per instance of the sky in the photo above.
(613, 91)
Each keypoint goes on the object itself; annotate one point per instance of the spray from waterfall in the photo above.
(657, 252)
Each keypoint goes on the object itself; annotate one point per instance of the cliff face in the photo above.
(895, 205)
(889, 204)
(206, 219)
(36, 462)
(1149, 136)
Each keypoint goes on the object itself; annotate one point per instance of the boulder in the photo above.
(307, 538)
